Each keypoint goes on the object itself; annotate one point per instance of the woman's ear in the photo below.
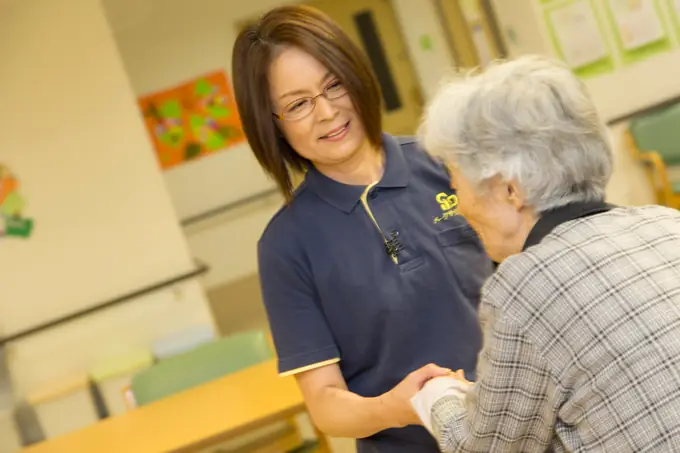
(516, 195)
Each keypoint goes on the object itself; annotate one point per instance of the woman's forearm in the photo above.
(340, 413)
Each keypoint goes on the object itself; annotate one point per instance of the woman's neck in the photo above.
(363, 167)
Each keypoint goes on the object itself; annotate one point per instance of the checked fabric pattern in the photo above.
(581, 344)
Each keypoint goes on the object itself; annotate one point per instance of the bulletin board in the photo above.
(192, 120)
(200, 145)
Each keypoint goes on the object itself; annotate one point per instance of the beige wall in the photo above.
(419, 18)
(168, 42)
(629, 88)
(163, 43)
(104, 223)
(624, 91)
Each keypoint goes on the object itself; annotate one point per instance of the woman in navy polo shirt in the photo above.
(367, 273)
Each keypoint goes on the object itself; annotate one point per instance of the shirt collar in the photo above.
(551, 219)
(345, 197)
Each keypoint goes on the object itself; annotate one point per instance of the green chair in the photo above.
(654, 140)
(200, 365)
(211, 361)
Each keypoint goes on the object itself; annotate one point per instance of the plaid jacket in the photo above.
(582, 344)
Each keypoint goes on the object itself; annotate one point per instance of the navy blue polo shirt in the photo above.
(334, 294)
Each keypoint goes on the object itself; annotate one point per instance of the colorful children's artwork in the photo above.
(12, 221)
(192, 120)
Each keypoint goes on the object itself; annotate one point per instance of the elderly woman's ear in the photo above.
(508, 192)
(516, 195)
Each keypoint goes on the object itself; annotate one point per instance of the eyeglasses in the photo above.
(303, 107)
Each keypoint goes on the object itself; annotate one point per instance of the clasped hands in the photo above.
(398, 400)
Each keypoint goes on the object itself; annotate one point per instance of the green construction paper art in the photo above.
(203, 88)
(18, 227)
(13, 222)
(218, 111)
(172, 136)
(12, 205)
(167, 116)
(171, 109)
(192, 150)
(229, 132)
(192, 119)
(209, 132)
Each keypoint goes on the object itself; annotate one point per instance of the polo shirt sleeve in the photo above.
(301, 333)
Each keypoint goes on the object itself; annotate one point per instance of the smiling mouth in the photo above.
(336, 132)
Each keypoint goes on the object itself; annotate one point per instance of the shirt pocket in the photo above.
(465, 255)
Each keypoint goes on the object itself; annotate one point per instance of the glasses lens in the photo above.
(335, 90)
(298, 109)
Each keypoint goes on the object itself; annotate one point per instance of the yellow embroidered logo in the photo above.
(448, 203)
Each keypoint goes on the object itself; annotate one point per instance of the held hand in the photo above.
(459, 375)
(397, 402)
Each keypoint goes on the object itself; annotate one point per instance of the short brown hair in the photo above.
(315, 33)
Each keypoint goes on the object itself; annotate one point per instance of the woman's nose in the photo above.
(325, 109)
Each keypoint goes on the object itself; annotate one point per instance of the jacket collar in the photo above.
(550, 220)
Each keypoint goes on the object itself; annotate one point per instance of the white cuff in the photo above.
(432, 391)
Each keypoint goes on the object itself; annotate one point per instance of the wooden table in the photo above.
(210, 413)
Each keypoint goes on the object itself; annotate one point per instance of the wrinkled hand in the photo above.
(397, 402)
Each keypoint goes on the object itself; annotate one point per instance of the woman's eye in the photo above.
(297, 105)
(334, 85)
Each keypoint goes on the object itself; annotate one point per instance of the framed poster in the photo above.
(638, 28)
(674, 7)
(577, 35)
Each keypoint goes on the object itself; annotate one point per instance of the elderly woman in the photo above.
(581, 321)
